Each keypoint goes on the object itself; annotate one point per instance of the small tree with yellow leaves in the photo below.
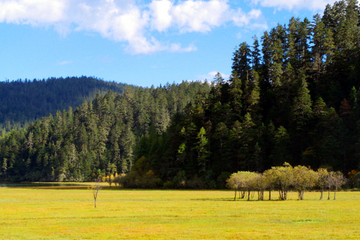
(110, 179)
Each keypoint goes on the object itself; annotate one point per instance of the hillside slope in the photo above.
(97, 138)
(24, 101)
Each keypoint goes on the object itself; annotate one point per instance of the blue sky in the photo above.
(139, 42)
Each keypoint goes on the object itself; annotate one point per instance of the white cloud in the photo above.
(65, 62)
(161, 17)
(199, 16)
(242, 19)
(127, 20)
(32, 11)
(211, 75)
(188, 16)
(313, 5)
(174, 47)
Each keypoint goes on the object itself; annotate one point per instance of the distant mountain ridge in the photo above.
(23, 101)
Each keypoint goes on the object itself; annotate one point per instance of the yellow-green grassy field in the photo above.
(62, 213)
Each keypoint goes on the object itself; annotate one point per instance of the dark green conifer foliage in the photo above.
(79, 145)
(241, 61)
(280, 153)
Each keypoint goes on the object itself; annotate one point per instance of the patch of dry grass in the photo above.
(28, 213)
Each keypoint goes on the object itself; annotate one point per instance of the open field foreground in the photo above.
(60, 213)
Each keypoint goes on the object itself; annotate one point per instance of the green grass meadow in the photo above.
(69, 213)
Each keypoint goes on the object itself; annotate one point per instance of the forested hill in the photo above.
(97, 138)
(293, 97)
(23, 101)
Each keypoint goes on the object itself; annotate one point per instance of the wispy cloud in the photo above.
(128, 21)
(65, 62)
(295, 4)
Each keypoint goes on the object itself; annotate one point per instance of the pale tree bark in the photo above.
(321, 193)
(95, 188)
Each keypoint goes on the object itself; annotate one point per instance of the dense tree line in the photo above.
(293, 96)
(24, 101)
(96, 139)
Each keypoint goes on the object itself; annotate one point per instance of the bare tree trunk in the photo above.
(270, 195)
(261, 195)
(95, 190)
(335, 193)
(282, 194)
(235, 195)
(329, 194)
(322, 193)
(243, 194)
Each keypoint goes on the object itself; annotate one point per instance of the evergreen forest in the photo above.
(24, 101)
(293, 96)
(97, 138)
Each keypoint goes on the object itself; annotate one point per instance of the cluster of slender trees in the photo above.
(284, 178)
